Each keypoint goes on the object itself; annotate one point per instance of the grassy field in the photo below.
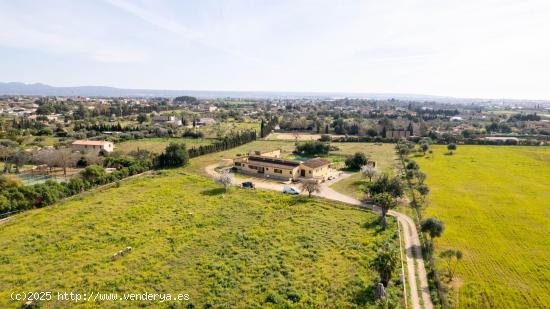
(157, 145)
(298, 136)
(495, 205)
(383, 154)
(246, 248)
(198, 164)
(221, 129)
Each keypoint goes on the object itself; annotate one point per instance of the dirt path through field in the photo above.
(415, 273)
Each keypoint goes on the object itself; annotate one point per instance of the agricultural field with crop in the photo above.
(494, 201)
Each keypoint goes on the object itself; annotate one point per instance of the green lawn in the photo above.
(198, 164)
(157, 145)
(495, 205)
(384, 156)
(247, 248)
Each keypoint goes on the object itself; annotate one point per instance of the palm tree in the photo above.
(385, 263)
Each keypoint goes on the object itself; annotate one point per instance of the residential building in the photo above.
(282, 169)
(95, 146)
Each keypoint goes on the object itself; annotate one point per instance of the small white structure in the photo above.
(164, 119)
(95, 146)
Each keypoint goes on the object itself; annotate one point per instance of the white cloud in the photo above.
(482, 48)
(17, 31)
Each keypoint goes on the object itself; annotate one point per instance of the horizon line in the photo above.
(302, 92)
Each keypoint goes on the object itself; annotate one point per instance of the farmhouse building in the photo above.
(281, 169)
(95, 146)
(399, 133)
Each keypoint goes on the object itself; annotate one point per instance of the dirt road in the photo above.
(415, 273)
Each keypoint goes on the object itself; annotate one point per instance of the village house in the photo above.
(399, 133)
(270, 165)
(95, 146)
(164, 119)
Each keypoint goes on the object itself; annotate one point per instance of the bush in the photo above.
(412, 165)
(94, 174)
(357, 161)
(9, 181)
(193, 134)
(5, 205)
(313, 148)
(175, 155)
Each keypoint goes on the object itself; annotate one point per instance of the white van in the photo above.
(290, 190)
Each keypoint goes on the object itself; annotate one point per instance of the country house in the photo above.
(270, 165)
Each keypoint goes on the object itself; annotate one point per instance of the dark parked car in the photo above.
(248, 184)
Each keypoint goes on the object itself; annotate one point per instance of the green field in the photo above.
(246, 248)
(197, 165)
(384, 156)
(495, 202)
(221, 129)
(158, 144)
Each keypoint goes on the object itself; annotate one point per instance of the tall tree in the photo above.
(452, 257)
(386, 202)
(386, 262)
(384, 184)
(433, 227)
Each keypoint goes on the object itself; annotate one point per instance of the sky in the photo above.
(461, 48)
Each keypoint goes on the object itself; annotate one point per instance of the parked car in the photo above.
(249, 184)
(331, 177)
(290, 190)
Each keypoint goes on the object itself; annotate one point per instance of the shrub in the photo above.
(357, 161)
(94, 174)
(193, 134)
(9, 181)
(313, 148)
(175, 155)
(412, 165)
(5, 205)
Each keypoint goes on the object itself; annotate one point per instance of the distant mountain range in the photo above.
(39, 89)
